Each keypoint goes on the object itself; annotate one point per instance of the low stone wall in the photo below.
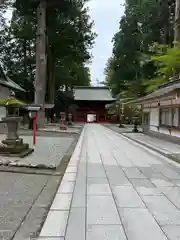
(163, 136)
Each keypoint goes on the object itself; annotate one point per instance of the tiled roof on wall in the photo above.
(92, 94)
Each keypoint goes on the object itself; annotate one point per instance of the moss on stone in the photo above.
(11, 101)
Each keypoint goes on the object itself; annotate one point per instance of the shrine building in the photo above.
(90, 103)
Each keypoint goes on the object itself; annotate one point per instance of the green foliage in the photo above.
(69, 35)
(151, 84)
(11, 101)
(135, 67)
(167, 61)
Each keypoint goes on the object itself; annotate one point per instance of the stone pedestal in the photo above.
(13, 145)
(135, 129)
(63, 121)
(121, 125)
(70, 123)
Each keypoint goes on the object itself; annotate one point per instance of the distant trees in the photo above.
(69, 37)
(143, 49)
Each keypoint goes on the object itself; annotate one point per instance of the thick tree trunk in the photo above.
(50, 78)
(50, 89)
(25, 57)
(41, 61)
(177, 23)
(30, 64)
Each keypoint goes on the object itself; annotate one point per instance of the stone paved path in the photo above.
(115, 190)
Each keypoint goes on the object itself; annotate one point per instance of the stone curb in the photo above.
(39, 132)
(57, 131)
(43, 166)
(148, 146)
(165, 154)
(38, 166)
(74, 160)
(26, 170)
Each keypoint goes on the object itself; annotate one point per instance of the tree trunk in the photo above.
(50, 78)
(177, 23)
(50, 89)
(25, 57)
(41, 61)
(30, 64)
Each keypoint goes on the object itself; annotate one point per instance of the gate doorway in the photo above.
(91, 117)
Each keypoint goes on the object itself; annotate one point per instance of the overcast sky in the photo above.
(106, 15)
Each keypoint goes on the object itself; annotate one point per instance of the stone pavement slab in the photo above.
(133, 173)
(116, 190)
(61, 202)
(163, 210)
(77, 220)
(173, 194)
(172, 232)
(106, 212)
(55, 224)
(94, 188)
(105, 232)
(127, 197)
(66, 187)
(139, 225)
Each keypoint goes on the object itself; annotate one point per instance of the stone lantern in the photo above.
(135, 128)
(120, 113)
(13, 145)
(70, 123)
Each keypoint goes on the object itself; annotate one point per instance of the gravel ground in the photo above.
(48, 152)
(17, 194)
(26, 195)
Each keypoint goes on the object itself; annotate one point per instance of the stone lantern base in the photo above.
(63, 121)
(135, 129)
(121, 125)
(13, 145)
(63, 127)
(69, 123)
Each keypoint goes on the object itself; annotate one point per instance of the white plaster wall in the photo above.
(4, 94)
(146, 110)
(154, 121)
(154, 117)
(170, 118)
(176, 117)
(2, 112)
